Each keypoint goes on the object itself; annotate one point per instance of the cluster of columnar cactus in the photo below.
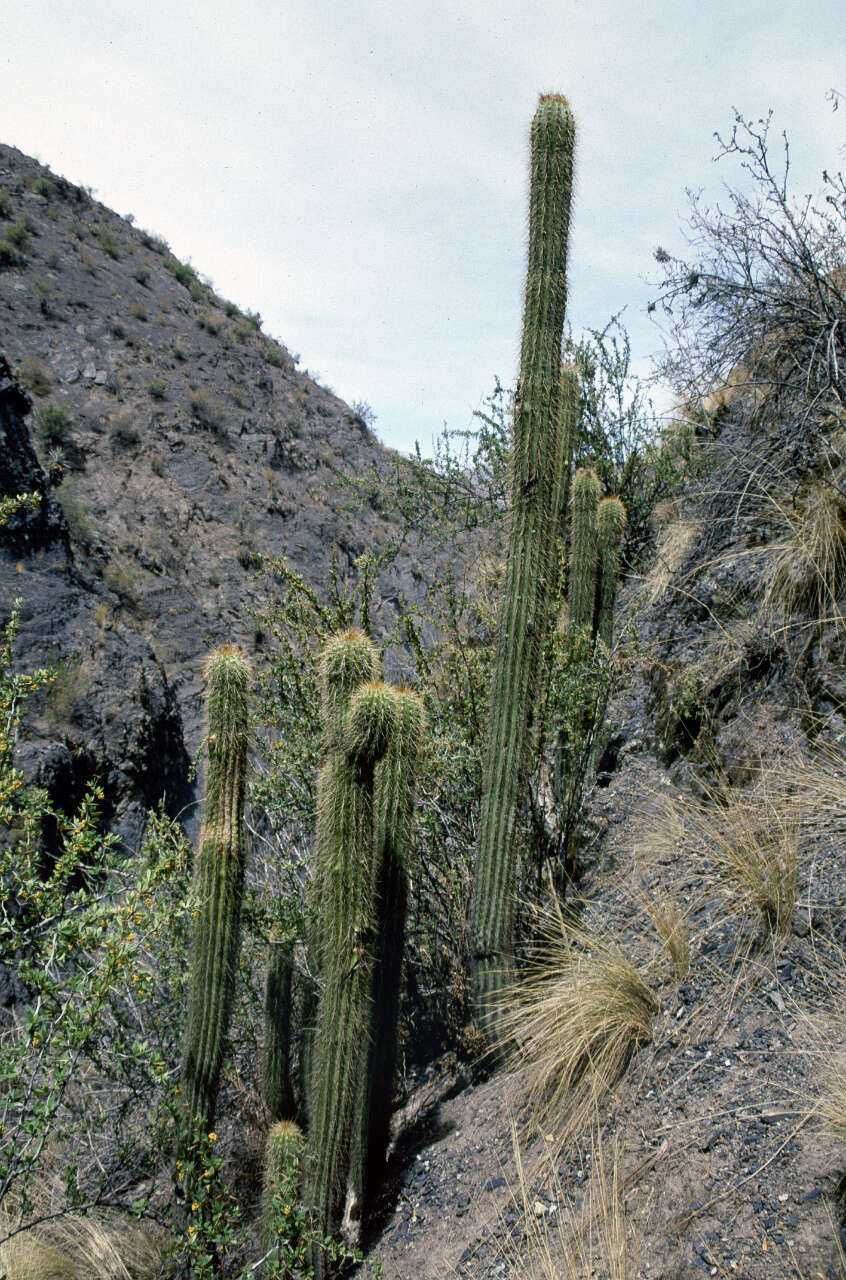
(365, 811)
(537, 468)
(597, 526)
(372, 737)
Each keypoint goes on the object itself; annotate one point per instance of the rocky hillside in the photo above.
(178, 442)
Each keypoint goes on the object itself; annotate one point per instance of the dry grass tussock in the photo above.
(571, 1022)
(95, 1246)
(674, 543)
(570, 1244)
(806, 568)
(746, 842)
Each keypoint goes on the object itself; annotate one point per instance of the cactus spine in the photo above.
(277, 1088)
(282, 1155)
(396, 784)
(536, 468)
(583, 549)
(610, 527)
(347, 847)
(218, 883)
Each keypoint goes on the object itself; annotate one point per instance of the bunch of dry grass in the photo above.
(27, 1257)
(806, 568)
(571, 1021)
(674, 543)
(670, 924)
(747, 841)
(571, 1244)
(93, 1246)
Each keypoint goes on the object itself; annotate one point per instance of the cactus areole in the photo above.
(537, 463)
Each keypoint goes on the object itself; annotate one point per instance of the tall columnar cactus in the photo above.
(347, 661)
(396, 785)
(584, 503)
(536, 468)
(610, 527)
(277, 1088)
(218, 883)
(280, 1182)
(347, 885)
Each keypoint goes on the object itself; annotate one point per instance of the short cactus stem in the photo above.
(610, 527)
(218, 884)
(277, 1087)
(584, 503)
(347, 889)
(281, 1183)
(537, 460)
(396, 785)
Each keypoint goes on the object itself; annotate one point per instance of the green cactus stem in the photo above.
(343, 1015)
(277, 1087)
(536, 468)
(347, 661)
(570, 425)
(584, 502)
(280, 1184)
(218, 883)
(610, 527)
(396, 786)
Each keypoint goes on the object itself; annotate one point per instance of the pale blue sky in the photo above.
(357, 172)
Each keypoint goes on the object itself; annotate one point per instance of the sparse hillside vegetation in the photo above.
(517, 916)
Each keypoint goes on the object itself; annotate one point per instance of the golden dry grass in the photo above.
(95, 1246)
(670, 924)
(806, 566)
(674, 543)
(571, 1022)
(745, 841)
(568, 1244)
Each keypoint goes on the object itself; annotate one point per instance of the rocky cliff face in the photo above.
(180, 443)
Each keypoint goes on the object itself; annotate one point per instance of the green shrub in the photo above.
(10, 256)
(34, 376)
(42, 187)
(54, 424)
(157, 389)
(76, 513)
(208, 412)
(18, 234)
(141, 274)
(183, 272)
(123, 434)
(108, 242)
(138, 311)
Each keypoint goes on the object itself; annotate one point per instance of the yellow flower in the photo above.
(195, 1204)
(192, 1231)
(212, 1137)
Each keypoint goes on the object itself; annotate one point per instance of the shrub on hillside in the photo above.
(34, 376)
(54, 425)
